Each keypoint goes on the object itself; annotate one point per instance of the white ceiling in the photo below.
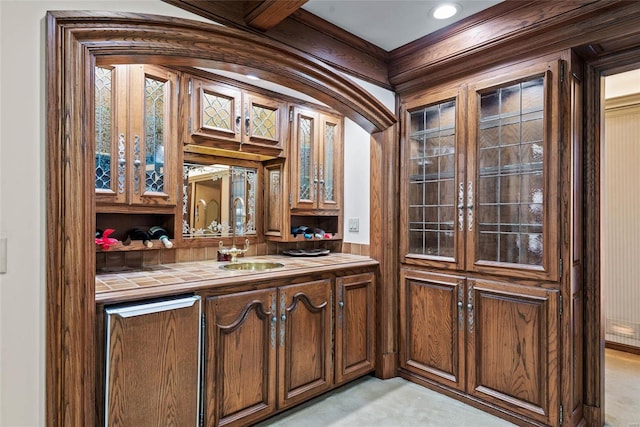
(390, 23)
(622, 84)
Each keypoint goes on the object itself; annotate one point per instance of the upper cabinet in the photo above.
(226, 117)
(484, 201)
(316, 161)
(135, 134)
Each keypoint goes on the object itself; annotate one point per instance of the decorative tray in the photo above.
(303, 252)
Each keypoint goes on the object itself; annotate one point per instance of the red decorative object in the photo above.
(105, 241)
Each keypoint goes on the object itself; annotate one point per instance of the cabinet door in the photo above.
(304, 355)
(240, 364)
(513, 348)
(432, 193)
(432, 332)
(263, 120)
(153, 364)
(216, 112)
(110, 103)
(276, 207)
(355, 326)
(330, 162)
(512, 188)
(304, 160)
(152, 124)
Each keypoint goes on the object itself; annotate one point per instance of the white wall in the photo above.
(22, 196)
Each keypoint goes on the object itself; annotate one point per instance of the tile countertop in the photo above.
(168, 279)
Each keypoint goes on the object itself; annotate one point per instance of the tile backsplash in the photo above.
(109, 261)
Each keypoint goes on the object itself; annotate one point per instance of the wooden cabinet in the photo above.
(480, 179)
(226, 117)
(492, 340)
(153, 363)
(304, 352)
(316, 161)
(480, 285)
(355, 329)
(135, 134)
(240, 363)
(260, 340)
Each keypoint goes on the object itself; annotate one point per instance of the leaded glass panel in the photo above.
(154, 134)
(510, 174)
(328, 169)
(431, 192)
(103, 126)
(217, 111)
(263, 122)
(305, 145)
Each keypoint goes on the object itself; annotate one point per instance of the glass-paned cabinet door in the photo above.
(110, 150)
(432, 188)
(304, 161)
(152, 117)
(513, 174)
(330, 158)
(216, 111)
(263, 120)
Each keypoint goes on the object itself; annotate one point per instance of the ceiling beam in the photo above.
(270, 13)
(306, 32)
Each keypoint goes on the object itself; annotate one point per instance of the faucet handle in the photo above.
(246, 244)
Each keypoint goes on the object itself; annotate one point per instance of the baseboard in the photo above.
(622, 347)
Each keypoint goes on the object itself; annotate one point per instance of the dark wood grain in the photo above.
(240, 364)
(306, 32)
(270, 13)
(304, 352)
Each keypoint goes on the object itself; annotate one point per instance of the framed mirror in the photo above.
(209, 193)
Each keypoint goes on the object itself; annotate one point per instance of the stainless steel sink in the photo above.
(251, 266)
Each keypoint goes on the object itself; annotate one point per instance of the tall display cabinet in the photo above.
(484, 164)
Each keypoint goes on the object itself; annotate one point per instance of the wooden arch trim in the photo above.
(76, 41)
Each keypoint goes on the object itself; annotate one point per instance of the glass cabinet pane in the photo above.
(264, 123)
(154, 113)
(103, 126)
(327, 170)
(431, 189)
(510, 181)
(305, 145)
(217, 111)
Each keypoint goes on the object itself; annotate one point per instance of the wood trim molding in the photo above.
(75, 41)
(508, 32)
(307, 32)
(269, 13)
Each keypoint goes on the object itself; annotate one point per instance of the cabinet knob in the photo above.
(274, 319)
(341, 303)
(459, 304)
(470, 306)
(283, 317)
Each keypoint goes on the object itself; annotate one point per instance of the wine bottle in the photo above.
(160, 234)
(138, 234)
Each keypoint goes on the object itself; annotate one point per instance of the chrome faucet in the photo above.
(233, 250)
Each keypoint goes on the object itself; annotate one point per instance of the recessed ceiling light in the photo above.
(445, 11)
(252, 77)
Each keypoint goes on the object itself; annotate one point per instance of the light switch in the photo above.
(354, 224)
(3, 255)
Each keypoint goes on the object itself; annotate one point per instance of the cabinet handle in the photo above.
(152, 308)
(246, 125)
(461, 206)
(470, 308)
(122, 161)
(136, 164)
(238, 122)
(470, 206)
(460, 304)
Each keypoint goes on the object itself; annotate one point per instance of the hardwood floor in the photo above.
(398, 403)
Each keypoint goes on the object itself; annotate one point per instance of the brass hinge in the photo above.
(290, 199)
(562, 72)
(190, 86)
(291, 115)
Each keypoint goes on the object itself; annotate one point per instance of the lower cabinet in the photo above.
(355, 337)
(266, 350)
(496, 342)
